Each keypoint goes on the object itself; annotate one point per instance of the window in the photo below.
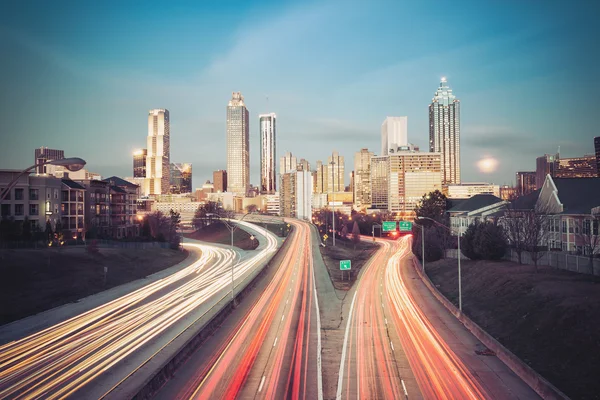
(34, 194)
(56, 193)
(7, 196)
(586, 227)
(5, 210)
(571, 223)
(19, 194)
(34, 209)
(595, 230)
(19, 209)
(564, 226)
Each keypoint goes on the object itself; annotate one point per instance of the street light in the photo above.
(73, 164)
(458, 256)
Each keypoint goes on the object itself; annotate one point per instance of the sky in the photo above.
(81, 76)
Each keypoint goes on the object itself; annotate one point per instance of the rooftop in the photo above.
(476, 202)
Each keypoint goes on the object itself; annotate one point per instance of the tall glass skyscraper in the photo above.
(268, 153)
(158, 152)
(444, 132)
(238, 145)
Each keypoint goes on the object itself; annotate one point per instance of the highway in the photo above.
(400, 342)
(64, 359)
(270, 346)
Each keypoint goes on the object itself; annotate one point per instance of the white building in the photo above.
(158, 158)
(467, 190)
(268, 153)
(304, 187)
(272, 203)
(444, 132)
(238, 145)
(394, 134)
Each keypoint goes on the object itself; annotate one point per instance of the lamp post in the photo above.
(423, 250)
(73, 164)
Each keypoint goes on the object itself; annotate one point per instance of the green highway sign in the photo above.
(345, 265)
(405, 226)
(389, 226)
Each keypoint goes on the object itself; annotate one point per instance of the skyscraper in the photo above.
(44, 154)
(268, 154)
(394, 134)
(444, 132)
(545, 165)
(321, 178)
(335, 173)
(220, 181)
(158, 146)
(362, 178)
(597, 148)
(379, 182)
(525, 182)
(238, 145)
(577, 167)
(139, 163)
(296, 194)
(287, 163)
(181, 178)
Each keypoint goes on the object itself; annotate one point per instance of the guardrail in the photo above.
(145, 380)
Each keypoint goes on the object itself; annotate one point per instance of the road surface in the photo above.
(401, 343)
(268, 349)
(105, 344)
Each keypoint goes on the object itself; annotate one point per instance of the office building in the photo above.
(321, 178)
(394, 134)
(362, 178)
(545, 165)
(577, 167)
(444, 132)
(220, 181)
(287, 163)
(597, 151)
(525, 182)
(508, 192)
(379, 182)
(139, 163)
(304, 164)
(44, 154)
(296, 194)
(268, 153)
(335, 173)
(468, 190)
(158, 153)
(181, 178)
(238, 145)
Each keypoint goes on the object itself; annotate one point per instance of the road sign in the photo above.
(389, 226)
(405, 226)
(336, 203)
(345, 265)
(325, 237)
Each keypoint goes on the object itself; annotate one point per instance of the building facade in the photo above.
(296, 194)
(268, 153)
(72, 209)
(287, 163)
(181, 178)
(139, 163)
(97, 209)
(362, 179)
(545, 165)
(238, 145)
(335, 173)
(467, 190)
(220, 181)
(379, 182)
(577, 167)
(525, 182)
(321, 177)
(597, 151)
(394, 134)
(157, 179)
(444, 132)
(44, 154)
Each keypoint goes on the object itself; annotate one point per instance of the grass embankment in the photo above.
(217, 232)
(344, 250)
(550, 319)
(37, 280)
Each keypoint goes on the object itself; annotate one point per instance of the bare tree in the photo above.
(513, 222)
(355, 235)
(536, 225)
(251, 208)
(591, 238)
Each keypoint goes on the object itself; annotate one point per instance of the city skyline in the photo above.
(507, 60)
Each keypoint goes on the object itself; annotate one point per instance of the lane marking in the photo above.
(319, 371)
(262, 382)
(386, 321)
(275, 342)
(282, 317)
(392, 344)
(341, 373)
(404, 387)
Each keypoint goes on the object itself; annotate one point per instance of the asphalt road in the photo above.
(86, 355)
(269, 346)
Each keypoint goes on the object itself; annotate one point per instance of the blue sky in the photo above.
(81, 76)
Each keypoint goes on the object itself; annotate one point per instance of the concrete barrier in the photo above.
(146, 380)
(539, 384)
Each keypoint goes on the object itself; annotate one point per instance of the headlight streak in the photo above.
(59, 360)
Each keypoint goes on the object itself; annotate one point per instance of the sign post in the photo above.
(345, 265)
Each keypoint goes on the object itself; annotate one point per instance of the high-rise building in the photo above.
(394, 134)
(525, 182)
(139, 163)
(158, 153)
(467, 190)
(362, 178)
(304, 164)
(268, 153)
(238, 145)
(220, 181)
(335, 173)
(507, 192)
(597, 149)
(296, 194)
(287, 163)
(444, 132)
(577, 167)
(321, 177)
(44, 154)
(545, 165)
(181, 178)
(379, 182)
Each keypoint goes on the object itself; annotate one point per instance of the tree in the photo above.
(591, 238)
(535, 225)
(159, 225)
(48, 231)
(251, 208)
(467, 242)
(490, 242)
(355, 234)
(344, 233)
(26, 231)
(514, 228)
(146, 231)
(433, 205)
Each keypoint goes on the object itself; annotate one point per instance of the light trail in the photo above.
(58, 361)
